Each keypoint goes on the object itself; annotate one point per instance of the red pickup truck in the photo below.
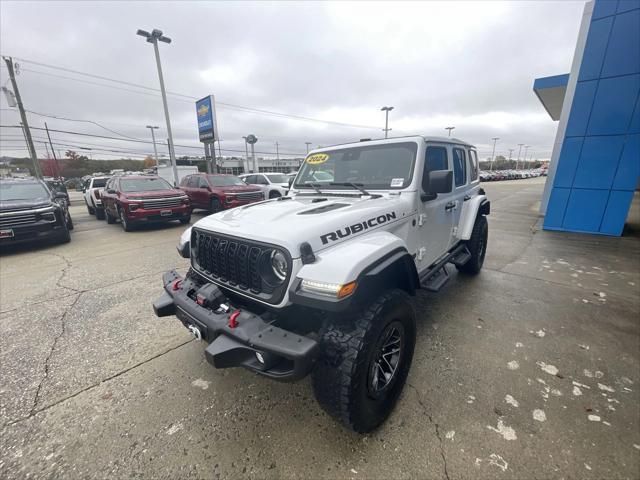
(219, 192)
(136, 199)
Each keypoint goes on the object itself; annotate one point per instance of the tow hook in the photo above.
(195, 331)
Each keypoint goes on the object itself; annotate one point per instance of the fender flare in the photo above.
(476, 205)
(376, 262)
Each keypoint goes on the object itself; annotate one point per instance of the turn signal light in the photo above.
(347, 290)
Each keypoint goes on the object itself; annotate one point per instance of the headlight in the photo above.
(334, 290)
(134, 206)
(279, 264)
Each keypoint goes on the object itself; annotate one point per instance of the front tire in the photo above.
(477, 246)
(110, 218)
(90, 210)
(126, 224)
(216, 206)
(100, 213)
(274, 194)
(365, 361)
(186, 219)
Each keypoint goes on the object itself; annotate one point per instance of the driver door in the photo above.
(435, 220)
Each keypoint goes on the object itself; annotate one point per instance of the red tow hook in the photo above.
(233, 319)
(176, 284)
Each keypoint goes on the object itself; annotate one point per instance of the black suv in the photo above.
(29, 210)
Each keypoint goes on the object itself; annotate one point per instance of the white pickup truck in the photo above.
(92, 196)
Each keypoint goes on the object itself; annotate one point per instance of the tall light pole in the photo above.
(307, 144)
(251, 140)
(524, 162)
(520, 145)
(493, 154)
(510, 152)
(154, 37)
(246, 153)
(277, 153)
(386, 128)
(153, 138)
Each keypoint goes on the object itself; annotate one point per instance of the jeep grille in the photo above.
(235, 263)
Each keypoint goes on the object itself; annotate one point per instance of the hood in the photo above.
(11, 205)
(320, 221)
(238, 188)
(154, 194)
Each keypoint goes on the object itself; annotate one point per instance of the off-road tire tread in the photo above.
(340, 344)
(472, 267)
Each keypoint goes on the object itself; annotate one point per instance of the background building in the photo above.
(595, 164)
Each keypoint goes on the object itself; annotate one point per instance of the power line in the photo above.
(143, 141)
(242, 108)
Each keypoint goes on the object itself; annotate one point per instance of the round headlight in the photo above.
(279, 264)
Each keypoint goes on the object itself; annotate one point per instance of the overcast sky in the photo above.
(466, 64)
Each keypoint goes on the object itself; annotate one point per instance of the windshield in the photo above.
(374, 166)
(144, 184)
(22, 191)
(99, 182)
(224, 180)
(277, 177)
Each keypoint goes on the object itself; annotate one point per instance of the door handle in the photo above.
(450, 206)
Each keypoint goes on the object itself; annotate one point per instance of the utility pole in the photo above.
(153, 138)
(52, 150)
(386, 128)
(277, 154)
(449, 128)
(493, 155)
(307, 144)
(520, 145)
(154, 37)
(510, 152)
(524, 162)
(23, 116)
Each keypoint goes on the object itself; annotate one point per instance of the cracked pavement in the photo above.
(530, 370)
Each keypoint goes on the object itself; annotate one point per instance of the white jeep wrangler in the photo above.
(320, 281)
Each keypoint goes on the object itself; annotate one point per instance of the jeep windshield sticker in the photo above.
(317, 158)
(356, 228)
(397, 182)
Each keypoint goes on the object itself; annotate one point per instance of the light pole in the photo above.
(307, 144)
(277, 154)
(493, 154)
(449, 128)
(153, 138)
(510, 152)
(246, 152)
(520, 145)
(251, 140)
(524, 161)
(154, 37)
(386, 128)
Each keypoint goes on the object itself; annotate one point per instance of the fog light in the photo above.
(260, 357)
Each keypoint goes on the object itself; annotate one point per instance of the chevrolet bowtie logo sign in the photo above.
(203, 110)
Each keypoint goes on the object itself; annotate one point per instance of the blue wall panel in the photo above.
(604, 8)
(585, 210)
(596, 167)
(629, 167)
(616, 212)
(623, 51)
(581, 108)
(614, 105)
(557, 206)
(599, 164)
(568, 162)
(595, 49)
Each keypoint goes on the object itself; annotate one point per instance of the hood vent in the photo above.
(324, 208)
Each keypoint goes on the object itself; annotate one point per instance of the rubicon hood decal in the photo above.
(357, 227)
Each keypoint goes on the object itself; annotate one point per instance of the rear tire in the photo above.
(100, 213)
(360, 375)
(90, 210)
(477, 246)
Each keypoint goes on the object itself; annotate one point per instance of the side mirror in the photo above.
(111, 191)
(61, 195)
(291, 179)
(439, 181)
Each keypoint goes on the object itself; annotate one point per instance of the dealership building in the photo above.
(595, 164)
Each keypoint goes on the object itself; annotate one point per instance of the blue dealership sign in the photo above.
(207, 124)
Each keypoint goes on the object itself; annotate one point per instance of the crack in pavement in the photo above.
(35, 411)
(64, 272)
(437, 428)
(63, 327)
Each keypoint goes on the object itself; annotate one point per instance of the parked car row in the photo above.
(32, 210)
(495, 175)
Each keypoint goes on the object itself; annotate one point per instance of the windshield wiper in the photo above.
(315, 186)
(357, 186)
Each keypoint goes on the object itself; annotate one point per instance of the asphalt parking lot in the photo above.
(530, 370)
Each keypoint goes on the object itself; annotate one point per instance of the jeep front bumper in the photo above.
(246, 340)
